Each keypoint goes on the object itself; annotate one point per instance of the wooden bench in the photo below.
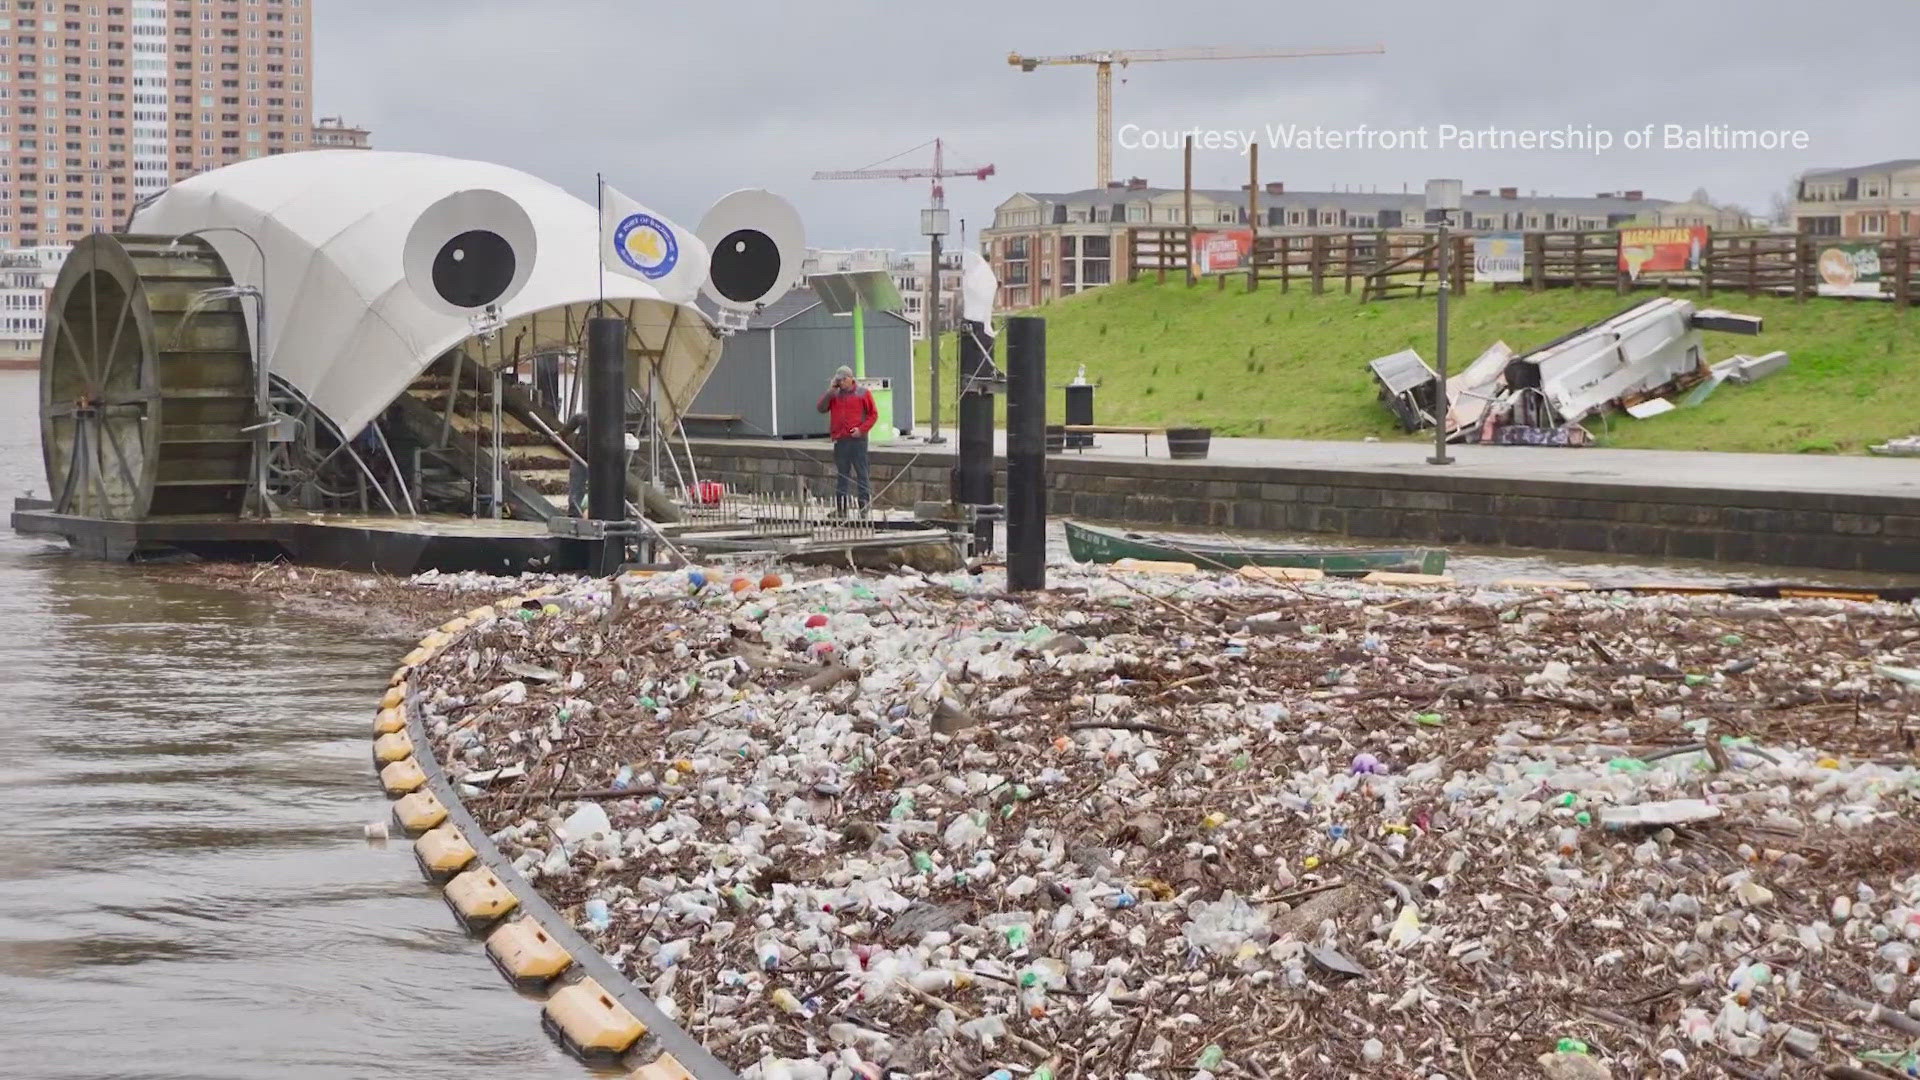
(1146, 433)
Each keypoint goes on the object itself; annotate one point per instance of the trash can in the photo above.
(882, 391)
(1080, 411)
(1188, 443)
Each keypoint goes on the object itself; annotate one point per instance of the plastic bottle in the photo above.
(784, 1000)
(767, 951)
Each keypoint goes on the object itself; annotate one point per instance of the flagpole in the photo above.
(600, 231)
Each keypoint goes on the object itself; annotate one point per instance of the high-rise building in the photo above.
(105, 102)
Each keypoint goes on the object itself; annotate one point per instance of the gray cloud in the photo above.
(678, 104)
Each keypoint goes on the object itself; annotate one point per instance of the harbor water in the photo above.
(186, 891)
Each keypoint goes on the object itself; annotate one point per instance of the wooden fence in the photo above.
(1405, 262)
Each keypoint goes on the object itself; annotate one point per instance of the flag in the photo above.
(639, 243)
(978, 286)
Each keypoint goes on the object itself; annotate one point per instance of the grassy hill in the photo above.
(1293, 365)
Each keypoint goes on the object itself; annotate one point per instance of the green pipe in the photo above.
(859, 341)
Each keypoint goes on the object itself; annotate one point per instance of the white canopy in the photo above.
(344, 326)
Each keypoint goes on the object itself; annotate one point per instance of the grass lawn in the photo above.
(1293, 365)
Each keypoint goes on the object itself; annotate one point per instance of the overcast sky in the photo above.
(679, 103)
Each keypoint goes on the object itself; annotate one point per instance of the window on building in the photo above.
(1872, 224)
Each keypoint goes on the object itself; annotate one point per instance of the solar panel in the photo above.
(872, 290)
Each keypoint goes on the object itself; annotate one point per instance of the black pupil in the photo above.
(746, 266)
(473, 269)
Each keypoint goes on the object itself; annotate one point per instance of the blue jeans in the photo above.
(850, 465)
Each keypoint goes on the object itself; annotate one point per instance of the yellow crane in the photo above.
(1103, 78)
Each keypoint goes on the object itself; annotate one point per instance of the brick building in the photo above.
(1866, 202)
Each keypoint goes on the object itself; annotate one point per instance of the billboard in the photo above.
(1223, 251)
(1849, 269)
(1500, 257)
(1662, 250)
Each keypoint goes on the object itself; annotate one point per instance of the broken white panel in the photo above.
(1639, 350)
(1908, 446)
(1754, 368)
(1649, 408)
(1473, 391)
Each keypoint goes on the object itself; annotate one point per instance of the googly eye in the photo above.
(470, 250)
(757, 244)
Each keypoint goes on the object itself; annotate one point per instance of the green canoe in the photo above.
(1089, 544)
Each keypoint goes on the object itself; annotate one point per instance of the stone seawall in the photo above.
(1785, 528)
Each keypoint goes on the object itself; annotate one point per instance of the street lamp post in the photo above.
(933, 225)
(1443, 198)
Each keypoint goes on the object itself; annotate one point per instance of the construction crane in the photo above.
(1103, 78)
(938, 173)
(933, 225)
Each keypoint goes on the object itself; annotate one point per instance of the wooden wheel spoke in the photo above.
(99, 473)
(64, 503)
(79, 361)
(120, 456)
(113, 347)
(136, 397)
(58, 410)
(93, 324)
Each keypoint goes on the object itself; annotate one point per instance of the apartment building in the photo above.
(1699, 209)
(106, 102)
(909, 271)
(25, 278)
(910, 275)
(1867, 202)
(1045, 246)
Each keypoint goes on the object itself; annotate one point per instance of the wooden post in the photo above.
(1903, 272)
(1253, 215)
(1801, 248)
(1286, 261)
(1160, 253)
(1187, 214)
(1133, 255)
(1753, 267)
(1317, 261)
(1536, 248)
(1706, 266)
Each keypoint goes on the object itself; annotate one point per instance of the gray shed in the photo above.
(771, 374)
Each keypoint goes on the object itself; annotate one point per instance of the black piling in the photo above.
(1026, 453)
(607, 435)
(973, 477)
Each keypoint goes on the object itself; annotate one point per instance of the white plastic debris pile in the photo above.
(1632, 361)
(1153, 825)
(1908, 446)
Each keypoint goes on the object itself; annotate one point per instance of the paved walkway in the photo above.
(1874, 476)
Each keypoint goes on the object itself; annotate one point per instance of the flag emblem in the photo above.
(647, 245)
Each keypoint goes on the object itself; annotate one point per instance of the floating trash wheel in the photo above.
(146, 382)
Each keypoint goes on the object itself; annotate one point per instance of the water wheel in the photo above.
(146, 382)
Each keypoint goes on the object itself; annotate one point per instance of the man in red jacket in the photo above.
(850, 415)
